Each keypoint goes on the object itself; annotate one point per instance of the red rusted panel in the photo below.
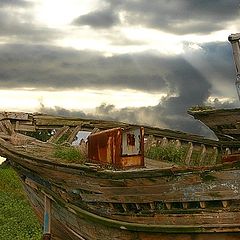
(105, 146)
(117, 147)
(231, 158)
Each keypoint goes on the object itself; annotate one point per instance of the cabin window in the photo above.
(131, 142)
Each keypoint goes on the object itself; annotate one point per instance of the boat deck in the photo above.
(48, 151)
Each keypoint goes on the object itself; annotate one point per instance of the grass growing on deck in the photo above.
(69, 154)
(17, 220)
(169, 153)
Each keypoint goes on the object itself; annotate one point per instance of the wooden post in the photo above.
(47, 218)
(202, 204)
(215, 155)
(168, 206)
(225, 203)
(185, 205)
(189, 153)
(203, 154)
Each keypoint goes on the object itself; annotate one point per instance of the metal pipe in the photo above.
(47, 218)
(234, 40)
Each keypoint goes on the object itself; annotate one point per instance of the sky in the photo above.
(136, 61)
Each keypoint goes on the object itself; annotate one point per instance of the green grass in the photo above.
(169, 153)
(17, 220)
(69, 154)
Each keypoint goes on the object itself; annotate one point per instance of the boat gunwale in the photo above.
(99, 171)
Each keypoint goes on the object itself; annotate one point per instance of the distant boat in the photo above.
(225, 123)
(113, 191)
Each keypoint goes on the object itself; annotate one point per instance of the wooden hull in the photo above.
(90, 204)
(72, 225)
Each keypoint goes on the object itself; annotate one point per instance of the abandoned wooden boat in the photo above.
(225, 123)
(114, 192)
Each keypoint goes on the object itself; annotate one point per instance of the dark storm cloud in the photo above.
(98, 19)
(215, 62)
(58, 68)
(188, 79)
(172, 74)
(45, 67)
(179, 17)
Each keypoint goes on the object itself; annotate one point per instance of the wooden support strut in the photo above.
(203, 154)
(189, 153)
(215, 155)
(47, 218)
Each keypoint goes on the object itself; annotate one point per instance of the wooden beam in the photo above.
(60, 132)
(73, 134)
(8, 126)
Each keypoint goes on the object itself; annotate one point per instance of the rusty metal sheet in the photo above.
(105, 146)
(231, 158)
(117, 147)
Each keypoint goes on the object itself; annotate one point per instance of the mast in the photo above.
(234, 40)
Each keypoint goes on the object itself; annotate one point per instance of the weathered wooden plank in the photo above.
(215, 155)
(202, 204)
(203, 154)
(189, 153)
(164, 142)
(188, 218)
(165, 197)
(27, 126)
(6, 127)
(168, 206)
(178, 143)
(5, 136)
(60, 132)
(73, 134)
(3, 128)
(185, 205)
(14, 115)
(231, 131)
(225, 203)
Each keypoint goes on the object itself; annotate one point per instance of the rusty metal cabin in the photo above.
(117, 147)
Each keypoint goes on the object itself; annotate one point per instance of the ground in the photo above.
(17, 220)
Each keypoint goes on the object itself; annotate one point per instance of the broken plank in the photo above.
(60, 132)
